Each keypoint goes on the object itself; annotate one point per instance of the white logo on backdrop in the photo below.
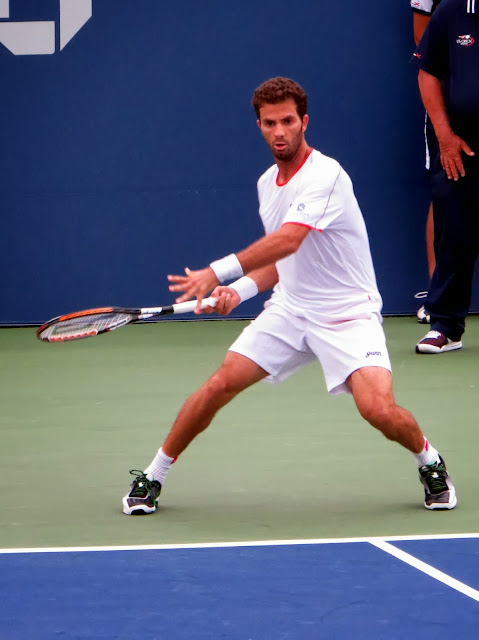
(38, 37)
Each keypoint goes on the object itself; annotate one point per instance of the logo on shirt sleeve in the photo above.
(465, 41)
(301, 207)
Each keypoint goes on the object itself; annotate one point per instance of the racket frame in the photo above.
(131, 316)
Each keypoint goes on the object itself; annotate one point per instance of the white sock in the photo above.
(159, 466)
(428, 455)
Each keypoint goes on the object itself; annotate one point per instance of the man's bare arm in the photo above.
(273, 247)
(265, 277)
(265, 251)
(228, 298)
(419, 23)
(450, 145)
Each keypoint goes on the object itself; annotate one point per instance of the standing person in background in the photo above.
(448, 58)
(422, 11)
(325, 306)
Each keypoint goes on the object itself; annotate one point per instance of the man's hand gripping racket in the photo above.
(198, 284)
(93, 322)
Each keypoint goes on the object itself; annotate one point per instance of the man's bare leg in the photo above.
(372, 391)
(236, 374)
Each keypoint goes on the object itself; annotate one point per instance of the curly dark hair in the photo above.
(278, 90)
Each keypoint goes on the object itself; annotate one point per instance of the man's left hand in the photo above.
(195, 284)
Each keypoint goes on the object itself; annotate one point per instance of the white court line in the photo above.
(426, 568)
(379, 542)
(247, 543)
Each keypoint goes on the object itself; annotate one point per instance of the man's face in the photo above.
(282, 129)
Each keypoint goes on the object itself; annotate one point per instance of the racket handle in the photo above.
(190, 305)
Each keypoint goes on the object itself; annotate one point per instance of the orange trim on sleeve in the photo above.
(301, 224)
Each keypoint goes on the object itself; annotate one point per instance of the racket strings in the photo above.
(84, 326)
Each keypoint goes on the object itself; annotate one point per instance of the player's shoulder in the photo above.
(320, 168)
(268, 176)
(320, 162)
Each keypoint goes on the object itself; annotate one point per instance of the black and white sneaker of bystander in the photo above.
(423, 316)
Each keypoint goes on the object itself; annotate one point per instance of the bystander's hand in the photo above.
(451, 147)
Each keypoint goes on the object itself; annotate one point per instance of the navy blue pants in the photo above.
(456, 244)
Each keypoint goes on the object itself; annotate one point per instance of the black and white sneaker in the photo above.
(438, 488)
(143, 495)
(423, 316)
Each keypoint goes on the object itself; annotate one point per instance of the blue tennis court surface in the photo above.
(250, 591)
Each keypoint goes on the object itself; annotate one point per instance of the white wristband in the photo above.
(245, 287)
(227, 268)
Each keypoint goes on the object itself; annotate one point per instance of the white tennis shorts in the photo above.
(282, 343)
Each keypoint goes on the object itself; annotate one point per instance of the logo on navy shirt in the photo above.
(465, 41)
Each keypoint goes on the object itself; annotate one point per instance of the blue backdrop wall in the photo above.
(133, 151)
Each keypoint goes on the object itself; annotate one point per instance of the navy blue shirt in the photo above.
(449, 50)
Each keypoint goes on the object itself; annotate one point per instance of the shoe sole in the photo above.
(441, 506)
(429, 348)
(137, 511)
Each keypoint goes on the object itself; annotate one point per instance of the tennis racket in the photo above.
(93, 322)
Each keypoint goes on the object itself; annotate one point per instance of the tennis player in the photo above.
(325, 303)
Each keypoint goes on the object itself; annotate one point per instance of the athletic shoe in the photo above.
(143, 495)
(438, 488)
(423, 316)
(436, 342)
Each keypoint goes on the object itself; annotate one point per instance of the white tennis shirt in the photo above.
(424, 6)
(332, 274)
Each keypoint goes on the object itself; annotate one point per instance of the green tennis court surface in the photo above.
(281, 462)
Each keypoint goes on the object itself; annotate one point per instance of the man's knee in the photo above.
(377, 411)
(222, 385)
(236, 374)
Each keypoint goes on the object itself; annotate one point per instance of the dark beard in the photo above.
(284, 156)
(288, 154)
